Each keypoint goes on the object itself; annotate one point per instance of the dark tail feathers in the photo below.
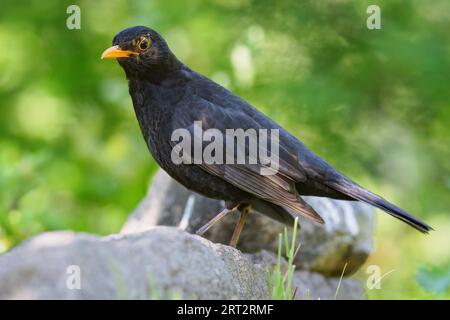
(347, 187)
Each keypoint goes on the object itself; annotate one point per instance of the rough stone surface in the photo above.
(162, 262)
(346, 237)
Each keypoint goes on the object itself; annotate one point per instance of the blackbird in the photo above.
(167, 95)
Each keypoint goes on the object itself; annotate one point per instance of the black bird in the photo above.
(167, 95)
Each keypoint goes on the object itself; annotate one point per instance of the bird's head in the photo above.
(142, 53)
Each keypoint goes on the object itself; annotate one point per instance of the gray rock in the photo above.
(346, 237)
(162, 262)
(166, 203)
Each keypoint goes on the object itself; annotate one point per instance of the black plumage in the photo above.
(167, 95)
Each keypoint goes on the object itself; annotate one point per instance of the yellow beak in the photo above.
(115, 52)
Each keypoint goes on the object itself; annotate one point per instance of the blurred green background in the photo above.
(374, 103)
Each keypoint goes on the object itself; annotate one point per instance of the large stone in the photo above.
(162, 262)
(346, 236)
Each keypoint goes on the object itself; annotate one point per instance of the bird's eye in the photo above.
(144, 44)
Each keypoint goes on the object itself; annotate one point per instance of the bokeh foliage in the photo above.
(374, 103)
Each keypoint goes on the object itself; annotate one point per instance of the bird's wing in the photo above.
(299, 167)
(278, 187)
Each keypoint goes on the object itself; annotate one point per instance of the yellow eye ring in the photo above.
(144, 44)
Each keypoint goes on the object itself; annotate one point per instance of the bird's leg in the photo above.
(213, 221)
(229, 206)
(245, 210)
